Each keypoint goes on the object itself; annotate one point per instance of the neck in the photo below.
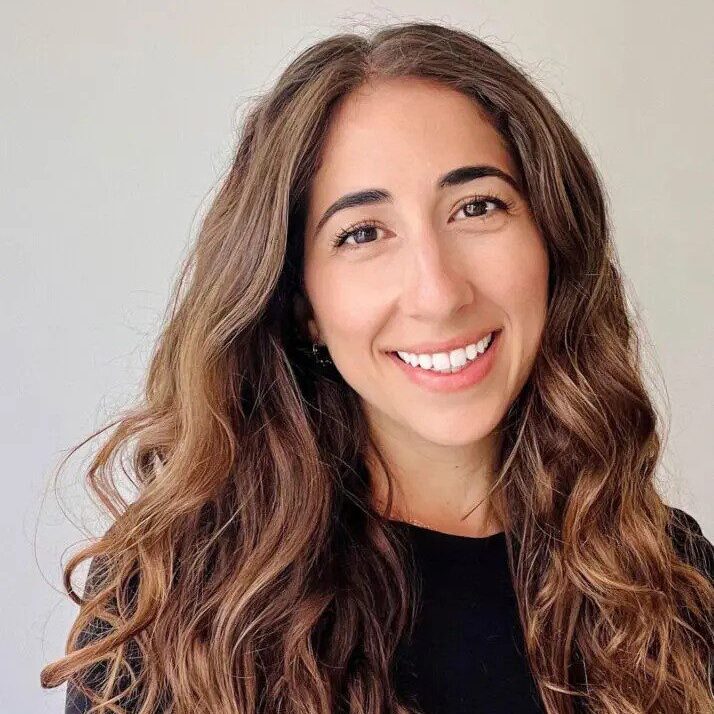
(442, 488)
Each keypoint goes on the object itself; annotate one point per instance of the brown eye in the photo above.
(481, 203)
(357, 230)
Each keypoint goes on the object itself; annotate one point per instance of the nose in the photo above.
(435, 283)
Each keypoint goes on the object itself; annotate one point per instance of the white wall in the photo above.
(117, 119)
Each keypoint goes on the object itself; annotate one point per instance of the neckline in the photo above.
(440, 552)
(425, 532)
(456, 559)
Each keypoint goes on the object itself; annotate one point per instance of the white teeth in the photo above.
(425, 361)
(451, 361)
(458, 357)
(441, 361)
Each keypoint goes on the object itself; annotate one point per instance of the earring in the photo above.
(322, 361)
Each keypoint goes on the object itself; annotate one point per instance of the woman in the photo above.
(396, 454)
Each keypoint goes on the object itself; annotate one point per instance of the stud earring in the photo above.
(322, 361)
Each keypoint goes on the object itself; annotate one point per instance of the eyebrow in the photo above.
(456, 177)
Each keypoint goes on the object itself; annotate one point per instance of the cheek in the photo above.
(518, 276)
(346, 309)
(519, 284)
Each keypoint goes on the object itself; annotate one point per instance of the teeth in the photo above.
(452, 361)
(425, 361)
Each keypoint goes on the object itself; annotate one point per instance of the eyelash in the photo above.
(502, 203)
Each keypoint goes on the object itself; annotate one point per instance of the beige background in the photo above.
(117, 120)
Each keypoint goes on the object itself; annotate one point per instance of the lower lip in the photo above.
(472, 374)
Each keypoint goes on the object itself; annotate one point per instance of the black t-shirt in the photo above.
(466, 653)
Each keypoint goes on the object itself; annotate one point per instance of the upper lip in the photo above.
(434, 347)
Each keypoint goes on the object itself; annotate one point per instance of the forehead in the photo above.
(403, 133)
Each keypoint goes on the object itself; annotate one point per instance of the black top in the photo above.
(466, 653)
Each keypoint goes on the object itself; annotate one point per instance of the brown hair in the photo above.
(252, 574)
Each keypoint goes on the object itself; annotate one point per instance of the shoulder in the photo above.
(690, 543)
(93, 678)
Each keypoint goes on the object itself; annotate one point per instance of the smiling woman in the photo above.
(395, 452)
(432, 278)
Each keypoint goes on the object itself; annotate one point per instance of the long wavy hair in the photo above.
(252, 573)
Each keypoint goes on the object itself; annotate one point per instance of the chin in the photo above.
(454, 433)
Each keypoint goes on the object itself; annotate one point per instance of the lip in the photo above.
(434, 347)
(474, 373)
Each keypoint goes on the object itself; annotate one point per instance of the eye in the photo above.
(356, 230)
(361, 230)
(482, 200)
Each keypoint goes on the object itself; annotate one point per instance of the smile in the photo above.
(449, 362)
(450, 371)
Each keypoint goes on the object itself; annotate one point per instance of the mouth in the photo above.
(448, 361)
(453, 370)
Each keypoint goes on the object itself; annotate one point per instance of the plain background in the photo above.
(118, 121)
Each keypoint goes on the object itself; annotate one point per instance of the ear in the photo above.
(314, 332)
(306, 325)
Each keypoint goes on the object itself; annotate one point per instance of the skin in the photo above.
(429, 271)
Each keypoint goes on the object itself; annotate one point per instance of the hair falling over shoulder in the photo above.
(251, 573)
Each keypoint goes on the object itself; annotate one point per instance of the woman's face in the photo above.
(435, 265)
